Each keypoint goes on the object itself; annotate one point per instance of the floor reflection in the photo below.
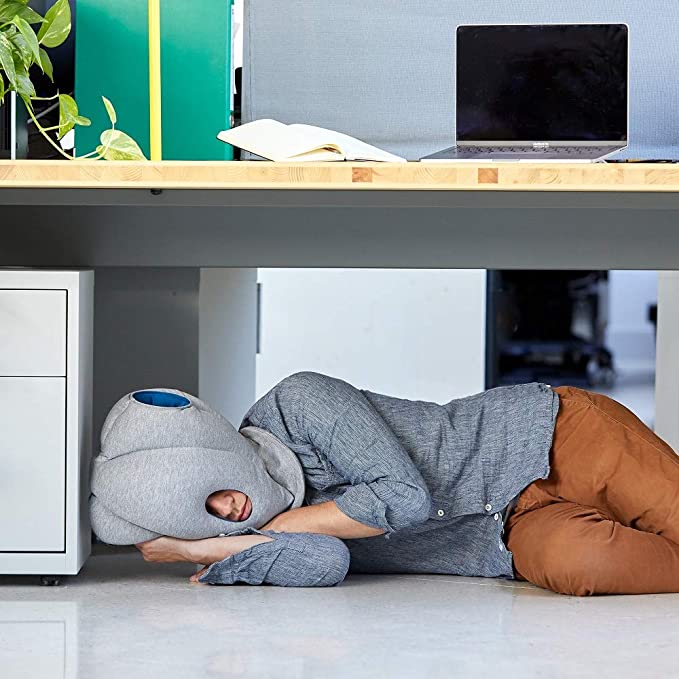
(39, 640)
(123, 618)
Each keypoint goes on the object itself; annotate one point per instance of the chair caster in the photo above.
(50, 580)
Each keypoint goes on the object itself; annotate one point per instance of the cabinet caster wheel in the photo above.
(50, 580)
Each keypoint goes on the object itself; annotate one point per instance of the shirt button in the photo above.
(496, 517)
(489, 507)
(441, 512)
(502, 548)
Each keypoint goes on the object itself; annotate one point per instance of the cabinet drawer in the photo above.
(32, 464)
(32, 333)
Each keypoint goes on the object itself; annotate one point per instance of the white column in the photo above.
(667, 367)
(228, 340)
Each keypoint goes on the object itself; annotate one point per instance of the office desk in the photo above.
(340, 214)
(260, 214)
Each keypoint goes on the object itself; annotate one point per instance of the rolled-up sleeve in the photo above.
(289, 560)
(384, 489)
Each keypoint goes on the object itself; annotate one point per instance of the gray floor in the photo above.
(123, 618)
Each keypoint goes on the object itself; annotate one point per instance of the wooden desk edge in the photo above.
(224, 175)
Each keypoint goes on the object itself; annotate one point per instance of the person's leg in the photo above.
(604, 457)
(604, 461)
(571, 549)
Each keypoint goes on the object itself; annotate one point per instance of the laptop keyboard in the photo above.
(561, 150)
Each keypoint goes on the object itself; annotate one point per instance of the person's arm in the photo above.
(384, 490)
(173, 550)
(325, 518)
(256, 558)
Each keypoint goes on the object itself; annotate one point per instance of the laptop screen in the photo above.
(542, 83)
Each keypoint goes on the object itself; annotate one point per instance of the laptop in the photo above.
(540, 92)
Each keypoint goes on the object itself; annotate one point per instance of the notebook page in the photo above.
(353, 149)
(277, 141)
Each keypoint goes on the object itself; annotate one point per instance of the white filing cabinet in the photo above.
(45, 420)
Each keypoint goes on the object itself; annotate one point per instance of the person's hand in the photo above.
(165, 550)
(199, 574)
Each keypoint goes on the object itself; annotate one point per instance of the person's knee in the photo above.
(576, 566)
(567, 548)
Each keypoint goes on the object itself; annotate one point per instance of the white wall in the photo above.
(417, 334)
(630, 336)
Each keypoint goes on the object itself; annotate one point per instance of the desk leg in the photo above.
(667, 366)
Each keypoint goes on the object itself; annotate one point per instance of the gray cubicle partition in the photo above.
(384, 70)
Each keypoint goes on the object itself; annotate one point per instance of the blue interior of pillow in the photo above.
(162, 399)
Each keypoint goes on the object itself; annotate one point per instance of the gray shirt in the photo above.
(436, 478)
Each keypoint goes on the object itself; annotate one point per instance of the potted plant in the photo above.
(22, 49)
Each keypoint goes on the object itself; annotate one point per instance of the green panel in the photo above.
(196, 63)
(112, 60)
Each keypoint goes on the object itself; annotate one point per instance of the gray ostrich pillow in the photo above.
(163, 452)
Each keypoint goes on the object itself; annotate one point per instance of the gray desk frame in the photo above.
(363, 229)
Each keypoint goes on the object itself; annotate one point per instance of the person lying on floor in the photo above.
(561, 487)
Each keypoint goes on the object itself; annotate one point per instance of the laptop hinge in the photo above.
(541, 145)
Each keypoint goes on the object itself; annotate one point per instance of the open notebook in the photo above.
(301, 143)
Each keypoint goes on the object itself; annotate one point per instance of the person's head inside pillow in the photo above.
(172, 466)
(231, 505)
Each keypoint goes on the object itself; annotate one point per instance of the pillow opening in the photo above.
(161, 399)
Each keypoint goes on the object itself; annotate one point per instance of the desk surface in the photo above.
(585, 177)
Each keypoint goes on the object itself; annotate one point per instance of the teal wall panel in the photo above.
(112, 60)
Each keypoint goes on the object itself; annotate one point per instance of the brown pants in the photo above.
(606, 520)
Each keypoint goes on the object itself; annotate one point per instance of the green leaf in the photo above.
(69, 116)
(2, 89)
(68, 113)
(46, 64)
(110, 110)
(22, 53)
(24, 85)
(29, 36)
(57, 24)
(116, 145)
(11, 8)
(30, 16)
(6, 60)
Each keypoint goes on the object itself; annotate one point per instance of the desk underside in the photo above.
(405, 229)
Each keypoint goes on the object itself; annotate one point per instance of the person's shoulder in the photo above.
(308, 380)
(316, 391)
